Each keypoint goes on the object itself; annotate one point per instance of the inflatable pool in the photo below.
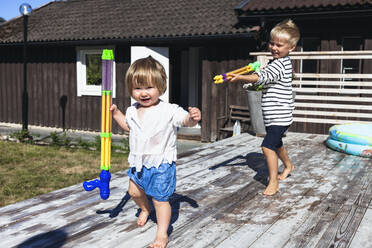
(354, 139)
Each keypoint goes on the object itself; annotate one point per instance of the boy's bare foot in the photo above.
(271, 189)
(285, 173)
(142, 218)
(160, 242)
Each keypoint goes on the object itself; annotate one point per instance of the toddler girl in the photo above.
(152, 126)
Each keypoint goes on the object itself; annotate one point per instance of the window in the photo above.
(89, 71)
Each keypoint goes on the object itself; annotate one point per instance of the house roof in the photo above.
(76, 20)
(251, 8)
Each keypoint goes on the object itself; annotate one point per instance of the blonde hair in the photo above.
(286, 29)
(145, 72)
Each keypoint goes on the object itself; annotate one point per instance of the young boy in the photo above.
(277, 99)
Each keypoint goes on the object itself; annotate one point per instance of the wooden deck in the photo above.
(326, 202)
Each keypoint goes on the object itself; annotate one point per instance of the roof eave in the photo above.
(305, 14)
(147, 40)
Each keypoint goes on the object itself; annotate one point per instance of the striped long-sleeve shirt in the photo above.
(277, 100)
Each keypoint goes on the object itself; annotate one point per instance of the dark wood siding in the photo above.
(122, 99)
(217, 97)
(52, 85)
(52, 88)
(11, 82)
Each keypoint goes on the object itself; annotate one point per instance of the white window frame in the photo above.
(83, 89)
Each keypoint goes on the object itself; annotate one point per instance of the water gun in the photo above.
(244, 70)
(107, 76)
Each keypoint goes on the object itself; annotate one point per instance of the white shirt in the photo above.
(152, 141)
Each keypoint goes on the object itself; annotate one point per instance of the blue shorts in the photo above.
(159, 183)
(273, 137)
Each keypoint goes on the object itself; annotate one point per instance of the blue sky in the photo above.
(10, 8)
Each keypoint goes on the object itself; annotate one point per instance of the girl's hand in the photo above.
(194, 114)
(113, 108)
(119, 117)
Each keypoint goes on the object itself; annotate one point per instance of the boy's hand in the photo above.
(250, 78)
(195, 114)
(233, 78)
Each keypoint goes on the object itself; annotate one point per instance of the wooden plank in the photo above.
(239, 112)
(335, 83)
(266, 212)
(71, 206)
(331, 57)
(199, 155)
(217, 197)
(345, 223)
(94, 220)
(244, 119)
(333, 106)
(334, 90)
(215, 226)
(208, 151)
(332, 198)
(333, 98)
(363, 235)
(189, 169)
(357, 52)
(239, 107)
(14, 93)
(206, 99)
(333, 75)
(3, 93)
(227, 129)
(333, 114)
(330, 121)
(287, 218)
(328, 55)
(193, 182)
(40, 94)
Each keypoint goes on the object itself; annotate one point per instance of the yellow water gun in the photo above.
(244, 70)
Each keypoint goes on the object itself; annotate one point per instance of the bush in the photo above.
(60, 140)
(23, 136)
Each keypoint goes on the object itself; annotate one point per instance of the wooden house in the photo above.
(197, 39)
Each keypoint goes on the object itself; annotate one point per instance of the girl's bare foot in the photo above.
(142, 218)
(285, 173)
(271, 189)
(160, 242)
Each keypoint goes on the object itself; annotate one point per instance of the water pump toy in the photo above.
(107, 77)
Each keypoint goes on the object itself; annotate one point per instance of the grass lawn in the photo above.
(28, 170)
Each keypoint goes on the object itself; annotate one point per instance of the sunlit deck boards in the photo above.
(218, 203)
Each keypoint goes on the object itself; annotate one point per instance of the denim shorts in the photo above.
(159, 183)
(273, 137)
